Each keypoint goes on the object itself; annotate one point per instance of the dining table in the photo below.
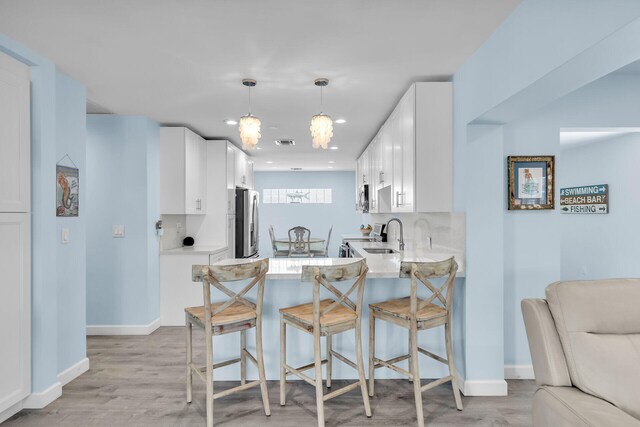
(285, 240)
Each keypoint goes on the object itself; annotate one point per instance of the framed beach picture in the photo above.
(530, 182)
(67, 191)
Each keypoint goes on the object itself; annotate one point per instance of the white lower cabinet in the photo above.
(15, 309)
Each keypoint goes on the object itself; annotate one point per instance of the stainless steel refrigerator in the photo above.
(246, 238)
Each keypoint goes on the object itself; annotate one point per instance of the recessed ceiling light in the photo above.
(330, 167)
(333, 148)
(269, 162)
(331, 161)
(272, 127)
(340, 121)
(258, 148)
(231, 122)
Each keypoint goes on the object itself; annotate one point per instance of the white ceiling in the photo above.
(181, 62)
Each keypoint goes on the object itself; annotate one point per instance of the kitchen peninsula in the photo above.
(284, 289)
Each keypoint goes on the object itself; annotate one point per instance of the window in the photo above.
(296, 195)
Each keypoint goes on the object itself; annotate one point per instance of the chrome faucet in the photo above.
(401, 239)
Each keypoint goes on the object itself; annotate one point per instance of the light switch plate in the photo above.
(118, 231)
(65, 236)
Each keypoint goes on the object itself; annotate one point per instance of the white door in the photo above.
(15, 308)
(15, 137)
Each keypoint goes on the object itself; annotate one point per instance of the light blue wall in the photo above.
(123, 189)
(538, 39)
(543, 247)
(49, 91)
(316, 217)
(71, 258)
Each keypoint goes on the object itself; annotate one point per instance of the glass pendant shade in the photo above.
(321, 130)
(249, 127)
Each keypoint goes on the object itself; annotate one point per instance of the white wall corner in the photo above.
(519, 372)
(73, 371)
(123, 329)
(43, 398)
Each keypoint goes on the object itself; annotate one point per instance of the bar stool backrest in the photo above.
(423, 271)
(323, 275)
(216, 275)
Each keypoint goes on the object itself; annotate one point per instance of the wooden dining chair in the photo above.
(299, 242)
(324, 252)
(326, 318)
(416, 314)
(236, 314)
(276, 252)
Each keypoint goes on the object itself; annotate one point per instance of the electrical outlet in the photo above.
(65, 236)
(178, 227)
(118, 231)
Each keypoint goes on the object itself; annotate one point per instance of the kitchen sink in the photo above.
(380, 251)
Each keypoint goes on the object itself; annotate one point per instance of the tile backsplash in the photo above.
(175, 227)
(444, 229)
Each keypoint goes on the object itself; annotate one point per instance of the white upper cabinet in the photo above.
(404, 167)
(183, 172)
(243, 168)
(412, 153)
(14, 136)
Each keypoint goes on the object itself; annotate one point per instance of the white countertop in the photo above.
(380, 265)
(388, 265)
(358, 236)
(185, 250)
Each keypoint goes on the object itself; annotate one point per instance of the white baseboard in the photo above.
(41, 399)
(73, 371)
(123, 329)
(519, 372)
(11, 411)
(485, 388)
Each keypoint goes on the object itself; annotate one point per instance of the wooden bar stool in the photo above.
(237, 314)
(326, 317)
(416, 315)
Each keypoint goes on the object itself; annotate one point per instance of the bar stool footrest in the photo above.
(433, 356)
(436, 383)
(344, 359)
(341, 390)
(379, 363)
(236, 389)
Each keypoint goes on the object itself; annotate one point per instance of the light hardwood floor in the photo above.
(140, 381)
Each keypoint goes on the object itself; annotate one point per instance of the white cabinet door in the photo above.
(241, 169)
(15, 137)
(404, 154)
(386, 157)
(183, 172)
(396, 156)
(374, 168)
(249, 174)
(202, 176)
(193, 172)
(231, 184)
(15, 309)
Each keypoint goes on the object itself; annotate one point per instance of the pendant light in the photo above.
(321, 124)
(249, 125)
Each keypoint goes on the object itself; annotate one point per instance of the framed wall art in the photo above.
(531, 182)
(67, 191)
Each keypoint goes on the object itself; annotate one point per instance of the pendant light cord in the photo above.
(321, 103)
(249, 99)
